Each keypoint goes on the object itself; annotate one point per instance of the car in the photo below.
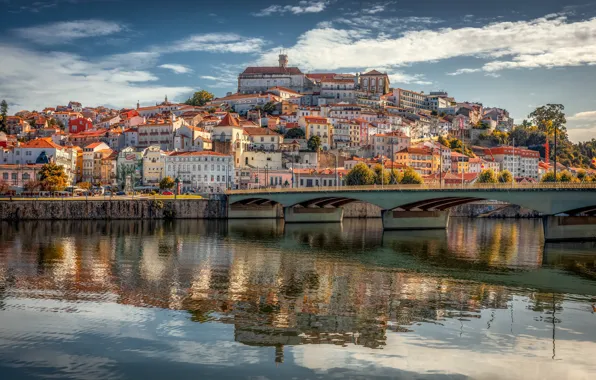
(167, 193)
(121, 193)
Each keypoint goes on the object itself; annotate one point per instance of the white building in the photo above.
(520, 162)
(159, 132)
(206, 172)
(153, 165)
(264, 138)
(388, 144)
(258, 79)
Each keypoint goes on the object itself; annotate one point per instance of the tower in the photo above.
(283, 60)
(138, 105)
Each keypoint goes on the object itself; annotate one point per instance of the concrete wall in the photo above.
(116, 209)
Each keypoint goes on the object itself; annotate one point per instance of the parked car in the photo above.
(167, 193)
(121, 193)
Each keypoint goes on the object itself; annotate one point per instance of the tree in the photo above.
(487, 176)
(505, 176)
(52, 177)
(550, 119)
(32, 185)
(269, 108)
(166, 183)
(200, 98)
(3, 113)
(395, 176)
(4, 186)
(566, 176)
(381, 175)
(294, 133)
(314, 143)
(411, 177)
(84, 185)
(360, 175)
(548, 177)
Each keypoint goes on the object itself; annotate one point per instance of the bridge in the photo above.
(569, 210)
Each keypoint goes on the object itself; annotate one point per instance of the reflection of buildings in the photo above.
(322, 284)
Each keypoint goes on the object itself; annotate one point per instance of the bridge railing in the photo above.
(418, 187)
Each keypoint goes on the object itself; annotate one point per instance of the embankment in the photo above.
(112, 209)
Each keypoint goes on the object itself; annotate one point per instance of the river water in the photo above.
(485, 299)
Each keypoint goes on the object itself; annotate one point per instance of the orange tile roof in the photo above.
(228, 121)
(41, 143)
(257, 131)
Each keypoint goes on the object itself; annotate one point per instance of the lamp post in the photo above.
(177, 182)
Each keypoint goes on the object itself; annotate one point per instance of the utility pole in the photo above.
(513, 152)
(556, 153)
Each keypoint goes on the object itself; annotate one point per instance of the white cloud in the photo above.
(375, 9)
(64, 32)
(582, 126)
(586, 115)
(209, 77)
(301, 8)
(219, 43)
(33, 80)
(543, 42)
(464, 71)
(176, 68)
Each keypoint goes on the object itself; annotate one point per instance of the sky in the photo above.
(511, 54)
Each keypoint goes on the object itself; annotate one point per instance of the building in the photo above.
(261, 160)
(388, 144)
(129, 168)
(409, 100)
(318, 126)
(229, 137)
(335, 90)
(206, 172)
(521, 162)
(153, 165)
(264, 138)
(96, 166)
(256, 79)
(159, 131)
(318, 177)
(79, 124)
(423, 160)
(243, 103)
(19, 175)
(189, 137)
(374, 82)
(460, 163)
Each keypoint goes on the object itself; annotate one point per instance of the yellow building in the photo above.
(318, 126)
(460, 163)
(423, 160)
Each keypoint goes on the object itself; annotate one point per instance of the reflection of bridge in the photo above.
(423, 206)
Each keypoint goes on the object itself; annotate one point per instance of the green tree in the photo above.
(549, 177)
(269, 108)
(550, 119)
(381, 175)
(294, 133)
(200, 98)
(566, 176)
(505, 176)
(487, 176)
(411, 177)
(360, 175)
(314, 143)
(166, 183)
(3, 114)
(52, 177)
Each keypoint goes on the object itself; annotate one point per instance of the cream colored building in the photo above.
(153, 165)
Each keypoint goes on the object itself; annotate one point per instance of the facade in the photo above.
(95, 168)
(258, 79)
(261, 160)
(520, 162)
(409, 100)
(206, 172)
(129, 168)
(242, 103)
(158, 132)
(153, 165)
(387, 144)
(264, 138)
(460, 163)
(423, 160)
(19, 175)
(335, 90)
(374, 82)
(79, 124)
(318, 126)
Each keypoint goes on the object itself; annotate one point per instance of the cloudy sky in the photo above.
(512, 54)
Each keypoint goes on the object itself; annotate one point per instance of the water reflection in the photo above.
(478, 287)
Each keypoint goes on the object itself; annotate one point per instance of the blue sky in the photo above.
(512, 54)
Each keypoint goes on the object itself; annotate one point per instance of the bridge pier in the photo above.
(253, 211)
(313, 215)
(415, 220)
(569, 228)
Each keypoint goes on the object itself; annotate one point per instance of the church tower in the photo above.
(283, 60)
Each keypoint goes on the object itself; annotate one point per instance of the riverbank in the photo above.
(114, 209)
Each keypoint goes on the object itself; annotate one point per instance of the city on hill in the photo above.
(286, 128)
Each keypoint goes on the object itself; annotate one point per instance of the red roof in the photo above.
(257, 131)
(316, 119)
(228, 121)
(40, 143)
(200, 153)
(373, 72)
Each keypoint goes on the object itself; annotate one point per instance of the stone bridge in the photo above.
(569, 209)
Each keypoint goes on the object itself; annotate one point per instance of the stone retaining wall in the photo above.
(112, 209)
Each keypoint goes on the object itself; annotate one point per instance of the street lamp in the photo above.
(177, 182)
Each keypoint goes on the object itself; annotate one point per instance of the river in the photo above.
(485, 299)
